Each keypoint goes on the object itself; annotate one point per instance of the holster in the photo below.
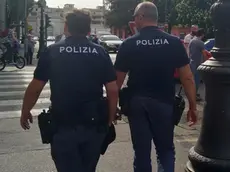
(47, 126)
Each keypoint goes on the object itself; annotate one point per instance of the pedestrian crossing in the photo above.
(13, 84)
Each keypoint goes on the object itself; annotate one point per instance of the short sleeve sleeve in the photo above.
(122, 63)
(202, 46)
(110, 74)
(181, 55)
(42, 71)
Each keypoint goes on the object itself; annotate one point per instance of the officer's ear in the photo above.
(140, 17)
(65, 28)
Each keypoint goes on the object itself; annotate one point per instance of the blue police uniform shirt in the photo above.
(77, 69)
(150, 58)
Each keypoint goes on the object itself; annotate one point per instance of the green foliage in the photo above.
(120, 12)
(173, 12)
(194, 12)
(41, 3)
(15, 10)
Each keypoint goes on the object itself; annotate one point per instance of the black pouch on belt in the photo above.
(47, 126)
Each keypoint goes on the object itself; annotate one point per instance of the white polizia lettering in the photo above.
(83, 50)
(152, 42)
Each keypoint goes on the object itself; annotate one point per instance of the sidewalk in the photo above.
(22, 151)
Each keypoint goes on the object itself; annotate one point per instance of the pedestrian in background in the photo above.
(198, 55)
(190, 36)
(76, 69)
(31, 44)
(150, 58)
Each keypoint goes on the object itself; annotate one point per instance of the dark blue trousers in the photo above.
(77, 149)
(151, 120)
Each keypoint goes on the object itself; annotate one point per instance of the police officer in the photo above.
(151, 57)
(77, 69)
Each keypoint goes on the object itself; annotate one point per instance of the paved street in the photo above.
(22, 151)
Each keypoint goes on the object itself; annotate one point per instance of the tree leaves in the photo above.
(16, 10)
(194, 12)
(183, 12)
(120, 12)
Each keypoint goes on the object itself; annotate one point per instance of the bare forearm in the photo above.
(120, 83)
(190, 91)
(112, 99)
(120, 79)
(29, 100)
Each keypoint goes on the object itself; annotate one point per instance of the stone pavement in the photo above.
(22, 151)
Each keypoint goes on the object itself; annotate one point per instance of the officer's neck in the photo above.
(77, 36)
(149, 25)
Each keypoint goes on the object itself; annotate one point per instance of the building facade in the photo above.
(98, 21)
(57, 19)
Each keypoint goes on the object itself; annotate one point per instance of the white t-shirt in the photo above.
(187, 40)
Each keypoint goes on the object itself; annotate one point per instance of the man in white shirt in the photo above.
(190, 36)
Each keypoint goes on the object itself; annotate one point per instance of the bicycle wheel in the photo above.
(20, 62)
(2, 64)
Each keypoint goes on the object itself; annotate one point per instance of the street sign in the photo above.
(133, 27)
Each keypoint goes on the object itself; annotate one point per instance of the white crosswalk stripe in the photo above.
(12, 88)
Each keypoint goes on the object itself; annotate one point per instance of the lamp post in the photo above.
(2, 14)
(103, 2)
(41, 4)
(25, 31)
(212, 150)
(166, 15)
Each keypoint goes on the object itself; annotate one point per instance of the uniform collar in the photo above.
(77, 38)
(149, 28)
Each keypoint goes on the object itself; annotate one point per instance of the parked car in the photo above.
(110, 42)
(209, 44)
(51, 38)
(102, 33)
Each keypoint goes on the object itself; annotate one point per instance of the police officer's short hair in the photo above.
(148, 10)
(78, 22)
(200, 32)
